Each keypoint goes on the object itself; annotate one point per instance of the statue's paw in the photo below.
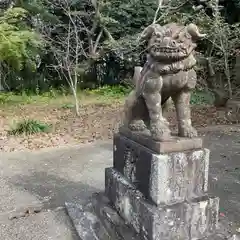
(137, 125)
(160, 131)
(189, 132)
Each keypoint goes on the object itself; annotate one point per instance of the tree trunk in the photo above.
(220, 95)
(76, 102)
(1, 79)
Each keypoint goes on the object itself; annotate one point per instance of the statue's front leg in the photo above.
(182, 104)
(151, 93)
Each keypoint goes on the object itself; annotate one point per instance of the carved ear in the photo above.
(148, 32)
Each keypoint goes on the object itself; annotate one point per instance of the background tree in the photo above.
(108, 35)
(19, 45)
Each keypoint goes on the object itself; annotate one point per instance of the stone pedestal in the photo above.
(165, 178)
(187, 220)
(160, 189)
(154, 191)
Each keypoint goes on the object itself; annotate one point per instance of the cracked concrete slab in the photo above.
(54, 176)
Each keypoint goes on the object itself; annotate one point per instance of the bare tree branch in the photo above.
(77, 42)
(97, 41)
(166, 5)
(160, 3)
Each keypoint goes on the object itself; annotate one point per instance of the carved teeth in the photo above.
(166, 50)
(175, 53)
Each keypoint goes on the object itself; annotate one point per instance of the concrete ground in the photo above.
(44, 180)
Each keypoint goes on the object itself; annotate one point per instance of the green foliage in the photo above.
(125, 20)
(14, 15)
(18, 46)
(29, 127)
(127, 17)
(4, 99)
(40, 8)
(22, 27)
(202, 97)
(231, 11)
(110, 91)
(68, 106)
(119, 59)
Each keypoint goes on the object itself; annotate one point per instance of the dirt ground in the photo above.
(97, 121)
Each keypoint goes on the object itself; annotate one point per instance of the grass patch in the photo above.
(10, 99)
(65, 99)
(110, 91)
(102, 95)
(202, 98)
(68, 106)
(29, 127)
(15, 99)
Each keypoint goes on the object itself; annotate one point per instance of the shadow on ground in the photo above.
(52, 190)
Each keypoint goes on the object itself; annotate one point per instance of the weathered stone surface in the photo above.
(167, 73)
(108, 225)
(111, 220)
(162, 178)
(204, 216)
(187, 220)
(124, 196)
(220, 236)
(84, 219)
(95, 219)
(174, 144)
(225, 231)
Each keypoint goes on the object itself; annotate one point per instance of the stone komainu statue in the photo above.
(167, 73)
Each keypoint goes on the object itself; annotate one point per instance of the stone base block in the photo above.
(175, 143)
(221, 236)
(95, 219)
(168, 178)
(187, 220)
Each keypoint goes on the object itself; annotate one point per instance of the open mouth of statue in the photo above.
(168, 50)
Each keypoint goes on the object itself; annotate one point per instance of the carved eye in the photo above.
(174, 43)
(158, 35)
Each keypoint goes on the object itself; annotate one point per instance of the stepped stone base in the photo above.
(96, 219)
(164, 178)
(155, 191)
(187, 220)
